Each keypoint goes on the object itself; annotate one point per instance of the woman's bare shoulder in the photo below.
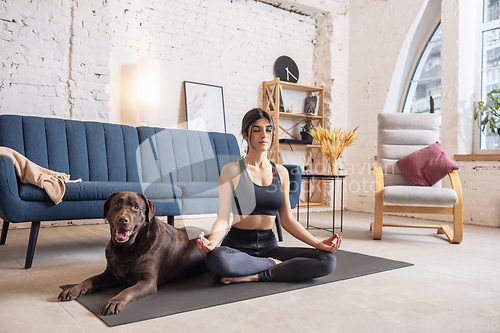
(282, 171)
(230, 171)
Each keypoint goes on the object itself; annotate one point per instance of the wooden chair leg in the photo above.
(5, 229)
(376, 228)
(458, 210)
(458, 224)
(456, 235)
(35, 227)
(377, 224)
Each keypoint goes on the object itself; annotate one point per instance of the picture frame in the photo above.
(204, 107)
(311, 105)
(273, 97)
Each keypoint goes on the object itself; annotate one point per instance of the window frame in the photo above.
(481, 28)
(416, 60)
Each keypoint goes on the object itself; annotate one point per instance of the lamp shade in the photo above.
(148, 91)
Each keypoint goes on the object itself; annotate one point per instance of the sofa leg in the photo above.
(170, 220)
(35, 227)
(5, 229)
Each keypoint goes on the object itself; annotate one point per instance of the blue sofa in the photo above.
(177, 169)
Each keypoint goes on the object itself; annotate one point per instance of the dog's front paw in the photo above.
(71, 293)
(113, 306)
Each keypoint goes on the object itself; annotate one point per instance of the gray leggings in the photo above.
(245, 252)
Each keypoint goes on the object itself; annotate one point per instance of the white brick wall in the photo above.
(232, 44)
(480, 180)
(77, 59)
(54, 59)
(377, 31)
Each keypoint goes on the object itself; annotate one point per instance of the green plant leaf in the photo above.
(493, 125)
(484, 123)
(487, 114)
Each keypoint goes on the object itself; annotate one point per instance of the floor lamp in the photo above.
(148, 91)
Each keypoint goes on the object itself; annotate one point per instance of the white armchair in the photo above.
(399, 135)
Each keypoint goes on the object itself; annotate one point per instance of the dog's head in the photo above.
(127, 213)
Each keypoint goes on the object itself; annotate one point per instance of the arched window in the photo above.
(426, 79)
(490, 63)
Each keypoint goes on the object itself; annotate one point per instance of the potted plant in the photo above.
(304, 132)
(488, 113)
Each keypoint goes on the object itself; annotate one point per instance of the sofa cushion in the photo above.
(427, 166)
(175, 155)
(89, 150)
(419, 195)
(199, 189)
(160, 191)
(199, 205)
(101, 191)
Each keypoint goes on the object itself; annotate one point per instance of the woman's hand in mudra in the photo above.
(203, 244)
(331, 244)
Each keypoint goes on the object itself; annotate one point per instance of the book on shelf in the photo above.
(282, 104)
(311, 105)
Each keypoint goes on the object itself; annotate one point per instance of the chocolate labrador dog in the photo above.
(142, 254)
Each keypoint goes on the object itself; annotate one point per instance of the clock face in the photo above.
(286, 69)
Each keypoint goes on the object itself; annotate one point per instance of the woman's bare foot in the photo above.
(275, 260)
(248, 278)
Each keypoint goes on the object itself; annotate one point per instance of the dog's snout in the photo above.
(123, 219)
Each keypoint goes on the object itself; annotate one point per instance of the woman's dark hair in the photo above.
(251, 117)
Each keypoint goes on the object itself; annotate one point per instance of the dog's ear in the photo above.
(105, 208)
(150, 208)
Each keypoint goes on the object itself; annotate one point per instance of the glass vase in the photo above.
(331, 168)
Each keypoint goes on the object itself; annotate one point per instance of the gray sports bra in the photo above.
(252, 199)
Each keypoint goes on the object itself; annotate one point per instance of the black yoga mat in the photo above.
(206, 290)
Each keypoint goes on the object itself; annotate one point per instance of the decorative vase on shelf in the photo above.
(332, 144)
(331, 168)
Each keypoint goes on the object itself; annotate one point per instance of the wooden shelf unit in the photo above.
(271, 103)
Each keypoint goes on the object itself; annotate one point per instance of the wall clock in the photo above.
(286, 69)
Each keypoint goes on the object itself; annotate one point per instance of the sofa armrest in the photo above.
(9, 191)
(8, 177)
(295, 174)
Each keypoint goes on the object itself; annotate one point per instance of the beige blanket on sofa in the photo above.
(30, 173)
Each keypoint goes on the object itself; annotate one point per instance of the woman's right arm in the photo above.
(222, 223)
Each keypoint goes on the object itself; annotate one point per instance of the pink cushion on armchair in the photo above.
(427, 166)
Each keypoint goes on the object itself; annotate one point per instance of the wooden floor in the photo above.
(450, 288)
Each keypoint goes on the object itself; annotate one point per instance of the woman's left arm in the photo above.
(290, 224)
